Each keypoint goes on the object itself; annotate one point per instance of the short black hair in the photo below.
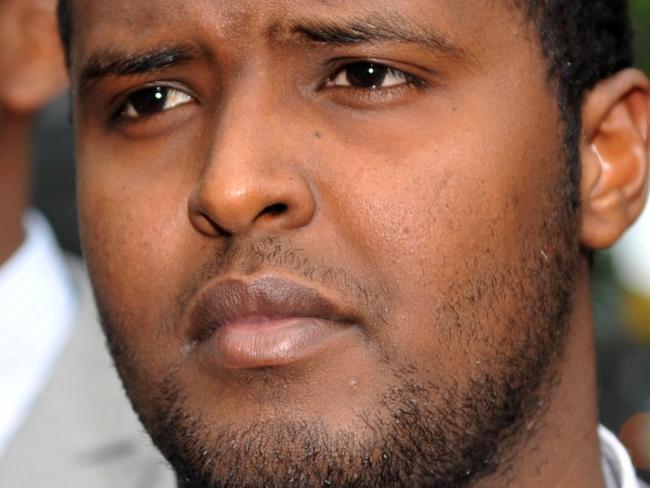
(584, 41)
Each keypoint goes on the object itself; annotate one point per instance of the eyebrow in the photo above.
(113, 62)
(376, 28)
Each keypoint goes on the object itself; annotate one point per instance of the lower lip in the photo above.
(266, 343)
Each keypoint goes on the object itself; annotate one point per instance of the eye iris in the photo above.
(366, 75)
(150, 100)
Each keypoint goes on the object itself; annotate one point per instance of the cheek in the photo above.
(133, 213)
(442, 222)
(134, 233)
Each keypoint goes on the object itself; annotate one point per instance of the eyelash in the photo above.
(120, 114)
(376, 94)
(409, 79)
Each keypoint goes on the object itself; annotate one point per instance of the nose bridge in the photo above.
(252, 178)
(239, 135)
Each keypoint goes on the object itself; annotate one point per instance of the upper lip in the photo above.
(237, 299)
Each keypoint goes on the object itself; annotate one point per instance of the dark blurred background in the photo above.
(621, 277)
(622, 298)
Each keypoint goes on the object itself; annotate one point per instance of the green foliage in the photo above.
(640, 11)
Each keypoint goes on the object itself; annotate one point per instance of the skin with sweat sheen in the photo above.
(332, 255)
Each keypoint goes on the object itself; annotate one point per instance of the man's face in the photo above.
(313, 268)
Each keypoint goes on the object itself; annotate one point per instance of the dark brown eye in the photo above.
(153, 100)
(369, 75)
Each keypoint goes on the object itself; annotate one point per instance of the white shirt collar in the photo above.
(38, 303)
(616, 463)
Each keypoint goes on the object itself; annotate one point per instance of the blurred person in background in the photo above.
(63, 419)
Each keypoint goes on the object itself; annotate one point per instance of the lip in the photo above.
(269, 321)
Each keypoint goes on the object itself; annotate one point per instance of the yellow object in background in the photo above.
(636, 313)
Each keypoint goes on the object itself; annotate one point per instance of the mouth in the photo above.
(266, 322)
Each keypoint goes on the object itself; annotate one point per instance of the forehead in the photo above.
(476, 26)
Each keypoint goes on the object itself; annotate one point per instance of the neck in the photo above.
(565, 449)
(14, 182)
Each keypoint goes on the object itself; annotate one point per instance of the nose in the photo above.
(252, 180)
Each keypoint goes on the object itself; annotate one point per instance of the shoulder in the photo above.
(82, 431)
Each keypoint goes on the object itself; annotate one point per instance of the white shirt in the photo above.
(37, 307)
(616, 463)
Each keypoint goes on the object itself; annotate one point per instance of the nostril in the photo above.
(210, 227)
(275, 209)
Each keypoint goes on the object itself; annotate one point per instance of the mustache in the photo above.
(275, 253)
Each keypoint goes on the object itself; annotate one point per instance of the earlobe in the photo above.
(615, 157)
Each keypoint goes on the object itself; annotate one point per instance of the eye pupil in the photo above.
(366, 75)
(149, 100)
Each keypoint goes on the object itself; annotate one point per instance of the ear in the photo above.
(615, 152)
(32, 65)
